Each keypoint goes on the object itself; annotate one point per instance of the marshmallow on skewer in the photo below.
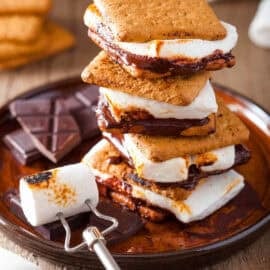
(64, 189)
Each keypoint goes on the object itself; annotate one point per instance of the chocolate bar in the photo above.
(81, 105)
(21, 146)
(51, 127)
(51, 231)
(129, 222)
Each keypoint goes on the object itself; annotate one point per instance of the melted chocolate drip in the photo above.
(115, 160)
(180, 66)
(149, 125)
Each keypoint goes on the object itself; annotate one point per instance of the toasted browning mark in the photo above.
(58, 193)
(183, 208)
(38, 179)
(232, 185)
(206, 159)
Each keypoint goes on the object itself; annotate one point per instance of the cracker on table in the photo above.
(143, 20)
(20, 28)
(175, 90)
(25, 6)
(57, 39)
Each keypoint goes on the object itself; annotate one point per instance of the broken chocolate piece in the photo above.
(129, 222)
(82, 107)
(51, 127)
(21, 146)
(50, 231)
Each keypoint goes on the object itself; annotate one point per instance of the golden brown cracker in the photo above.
(174, 90)
(143, 21)
(25, 6)
(20, 28)
(229, 131)
(58, 40)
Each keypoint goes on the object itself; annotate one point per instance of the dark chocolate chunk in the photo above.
(21, 146)
(81, 105)
(149, 126)
(51, 127)
(50, 231)
(129, 222)
(89, 95)
(86, 119)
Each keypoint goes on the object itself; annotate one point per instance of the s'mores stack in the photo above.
(170, 145)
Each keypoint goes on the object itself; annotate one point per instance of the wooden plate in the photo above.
(170, 244)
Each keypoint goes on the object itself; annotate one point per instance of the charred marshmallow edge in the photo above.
(201, 107)
(209, 196)
(64, 189)
(176, 169)
(171, 49)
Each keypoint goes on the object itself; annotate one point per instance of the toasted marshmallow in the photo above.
(201, 107)
(176, 169)
(210, 195)
(173, 49)
(224, 159)
(63, 189)
(89, 156)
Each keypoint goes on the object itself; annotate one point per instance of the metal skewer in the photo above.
(93, 239)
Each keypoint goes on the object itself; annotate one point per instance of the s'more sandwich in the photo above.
(156, 202)
(171, 106)
(161, 38)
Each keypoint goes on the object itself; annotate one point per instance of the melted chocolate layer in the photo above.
(148, 125)
(179, 66)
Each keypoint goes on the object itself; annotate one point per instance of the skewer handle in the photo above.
(96, 243)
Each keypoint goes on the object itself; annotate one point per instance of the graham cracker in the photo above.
(57, 39)
(229, 131)
(143, 21)
(175, 90)
(99, 162)
(20, 28)
(25, 6)
(10, 49)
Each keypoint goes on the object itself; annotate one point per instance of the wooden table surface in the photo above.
(251, 76)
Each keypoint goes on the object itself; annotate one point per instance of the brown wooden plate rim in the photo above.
(253, 230)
